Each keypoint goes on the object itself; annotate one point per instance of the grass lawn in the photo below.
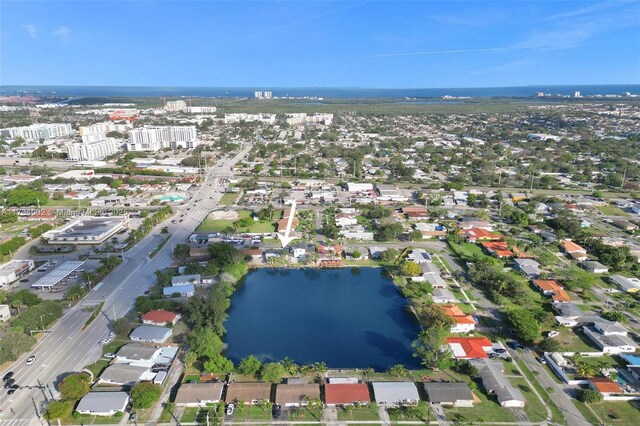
(189, 415)
(574, 341)
(534, 407)
(612, 211)
(556, 414)
(252, 412)
(18, 227)
(617, 413)
(219, 225)
(98, 367)
(467, 251)
(358, 413)
(587, 413)
(92, 420)
(484, 411)
(306, 414)
(67, 202)
(229, 198)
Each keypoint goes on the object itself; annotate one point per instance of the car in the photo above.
(230, 408)
(541, 360)
(31, 360)
(13, 389)
(7, 376)
(500, 350)
(553, 333)
(24, 280)
(110, 355)
(104, 342)
(180, 220)
(147, 292)
(132, 417)
(276, 411)
(9, 383)
(112, 335)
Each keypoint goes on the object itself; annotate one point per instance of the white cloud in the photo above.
(31, 30)
(62, 32)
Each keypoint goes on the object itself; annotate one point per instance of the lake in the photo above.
(346, 318)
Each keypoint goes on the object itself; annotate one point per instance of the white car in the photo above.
(110, 355)
(553, 333)
(230, 409)
(31, 360)
(104, 342)
(112, 335)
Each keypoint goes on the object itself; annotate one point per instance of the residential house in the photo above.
(138, 354)
(595, 267)
(179, 290)
(248, 393)
(495, 382)
(186, 280)
(469, 347)
(299, 251)
(455, 394)
(419, 256)
(463, 323)
(627, 284)
(124, 375)
(568, 313)
(415, 212)
(346, 219)
(551, 288)
(610, 337)
(375, 253)
(529, 267)
(198, 394)
(346, 394)
(625, 225)
(103, 403)
(443, 295)
(395, 393)
(497, 248)
(431, 230)
(571, 247)
(296, 395)
(467, 223)
(159, 317)
(605, 386)
(478, 234)
(151, 334)
(254, 254)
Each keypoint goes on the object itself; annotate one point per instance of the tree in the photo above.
(22, 196)
(618, 316)
(272, 372)
(8, 216)
(356, 254)
(17, 304)
(390, 255)
(550, 345)
(250, 366)
(398, 370)
(181, 251)
(415, 235)
(589, 396)
(144, 394)
(218, 364)
(190, 358)
(59, 410)
(388, 232)
(223, 254)
(164, 230)
(411, 269)
(121, 326)
(75, 386)
(524, 324)
(204, 342)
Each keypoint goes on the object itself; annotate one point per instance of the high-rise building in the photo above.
(257, 94)
(175, 106)
(105, 128)
(268, 94)
(93, 148)
(155, 138)
(577, 94)
(39, 131)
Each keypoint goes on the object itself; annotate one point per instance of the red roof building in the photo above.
(497, 248)
(469, 347)
(552, 289)
(478, 234)
(604, 386)
(346, 393)
(160, 317)
(571, 247)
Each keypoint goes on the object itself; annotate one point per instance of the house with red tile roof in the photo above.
(497, 248)
(551, 288)
(478, 234)
(463, 323)
(571, 247)
(604, 385)
(469, 347)
(160, 317)
(346, 393)
(415, 212)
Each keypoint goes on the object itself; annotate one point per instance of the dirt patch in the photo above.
(224, 215)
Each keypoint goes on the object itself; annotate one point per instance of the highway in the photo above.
(67, 347)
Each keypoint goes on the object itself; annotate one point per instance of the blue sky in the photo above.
(400, 44)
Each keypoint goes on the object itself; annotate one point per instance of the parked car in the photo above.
(112, 335)
(110, 355)
(13, 389)
(8, 383)
(31, 360)
(230, 408)
(7, 376)
(276, 412)
(104, 342)
(541, 360)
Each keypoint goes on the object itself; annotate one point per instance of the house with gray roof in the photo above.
(629, 285)
(419, 256)
(186, 279)
(395, 393)
(595, 267)
(103, 403)
(198, 394)
(137, 354)
(529, 267)
(151, 334)
(443, 295)
(445, 393)
(186, 290)
(124, 375)
(495, 382)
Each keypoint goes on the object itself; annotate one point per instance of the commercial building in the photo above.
(87, 230)
(11, 271)
(160, 318)
(105, 128)
(58, 274)
(239, 117)
(103, 403)
(200, 109)
(39, 131)
(155, 138)
(175, 105)
(91, 150)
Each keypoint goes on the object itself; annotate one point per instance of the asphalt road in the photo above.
(67, 347)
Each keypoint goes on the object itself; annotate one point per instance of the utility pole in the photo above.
(624, 177)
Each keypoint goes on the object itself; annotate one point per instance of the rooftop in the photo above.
(346, 393)
(58, 274)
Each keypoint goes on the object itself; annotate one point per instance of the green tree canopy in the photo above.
(524, 323)
(272, 372)
(144, 394)
(75, 386)
(21, 197)
(250, 365)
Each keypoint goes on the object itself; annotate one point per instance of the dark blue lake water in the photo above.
(343, 317)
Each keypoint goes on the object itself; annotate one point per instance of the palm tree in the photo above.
(17, 304)
(164, 230)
